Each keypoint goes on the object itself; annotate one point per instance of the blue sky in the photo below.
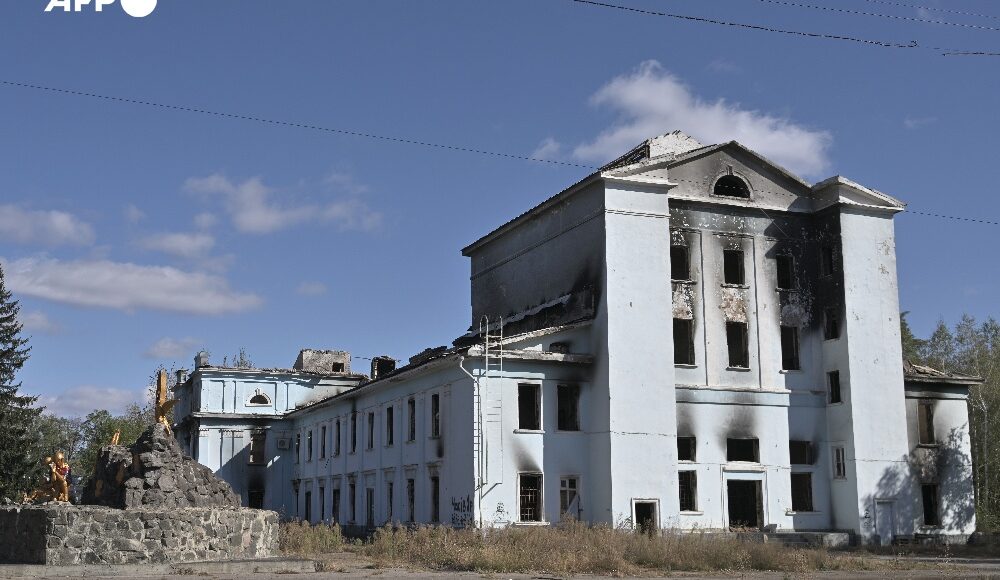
(135, 236)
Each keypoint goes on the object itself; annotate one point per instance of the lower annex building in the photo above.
(690, 337)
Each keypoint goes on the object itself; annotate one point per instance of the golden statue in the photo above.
(56, 487)
(163, 405)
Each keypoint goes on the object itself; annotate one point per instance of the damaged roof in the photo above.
(924, 374)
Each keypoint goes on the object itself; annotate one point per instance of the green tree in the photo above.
(18, 468)
(911, 344)
(99, 426)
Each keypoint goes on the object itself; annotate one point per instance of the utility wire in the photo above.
(934, 9)
(878, 15)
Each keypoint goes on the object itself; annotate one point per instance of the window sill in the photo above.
(791, 371)
(738, 286)
(528, 524)
(839, 478)
(803, 513)
(739, 369)
(530, 431)
(825, 339)
(787, 289)
(751, 466)
(692, 513)
(566, 431)
(837, 404)
(686, 281)
(687, 462)
(684, 366)
(434, 437)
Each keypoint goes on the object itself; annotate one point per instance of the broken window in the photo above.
(839, 463)
(683, 341)
(833, 379)
(435, 415)
(831, 324)
(309, 445)
(736, 339)
(258, 440)
(742, 450)
(687, 482)
(826, 261)
(411, 411)
(925, 423)
(411, 500)
(790, 348)
(569, 408)
(354, 435)
(390, 430)
(680, 267)
(786, 271)
(686, 449)
(929, 492)
(732, 267)
(371, 430)
(802, 494)
(322, 442)
(731, 186)
(568, 488)
(800, 452)
(529, 407)
(435, 499)
(530, 497)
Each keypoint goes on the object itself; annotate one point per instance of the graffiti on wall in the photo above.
(461, 511)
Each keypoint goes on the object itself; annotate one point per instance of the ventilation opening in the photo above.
(731, 186)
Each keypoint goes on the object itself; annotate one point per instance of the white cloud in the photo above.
(81, 400)
(125, 286)
(311, 289)
(205, 220)
(918, 122)
(172, 348)
(652, 101)
(183, 245)
(549, 148)
(37, 321)
(723, 66)
(252, 209)
(133, 214)
(346, 183)
(49, 228)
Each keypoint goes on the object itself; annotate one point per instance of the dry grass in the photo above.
(302, 539)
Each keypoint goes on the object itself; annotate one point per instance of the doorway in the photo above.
(645, 517)
(746, 506)
(885, 522)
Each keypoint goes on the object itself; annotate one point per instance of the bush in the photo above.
(303, 539)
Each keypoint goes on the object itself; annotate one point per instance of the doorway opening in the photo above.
(645, 516)
(746, 505)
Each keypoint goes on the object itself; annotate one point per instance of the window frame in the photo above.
(539, 426)
(831, 323)
(435, 412)
(740, 263)
(390, 425)
(755, 448)
(691, 443)
(784, 265)
(252, 451)
(564, 490)
(791, 359)
(935, 521)
(322, 441)
(370, 442)
(686, 330)
(835, 393)
(309, 445)
(839, 457)
(686, 251)
(745, 192)
(800, 476)
(744, 338)
(926, 436)
(539, 492)
(803, 446)
(435, 498)
(411, 411)
(693, 484)
(573, 400)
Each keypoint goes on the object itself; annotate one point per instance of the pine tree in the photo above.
(17, 414)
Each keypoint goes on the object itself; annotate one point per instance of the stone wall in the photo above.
(65, 534)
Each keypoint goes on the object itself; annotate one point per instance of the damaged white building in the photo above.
(690, 337)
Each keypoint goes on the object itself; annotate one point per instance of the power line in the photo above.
(878, 15)
(934, 9)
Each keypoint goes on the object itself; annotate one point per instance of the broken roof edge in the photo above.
(924, 374)
(277, 371)
(892, 202)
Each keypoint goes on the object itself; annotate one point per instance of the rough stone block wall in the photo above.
(65, 534)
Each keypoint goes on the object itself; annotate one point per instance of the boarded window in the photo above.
(529, 407)
(683, 341)
(839, 463)
(736, 339)
(732, 266)
(731, 186)
(831, 324)
(435, 499)
(930, 501)
(800, 452)
(680, 267)
(826, 261)
(411, 412)
(390, 426)
(925, 422)
(790, 348)
(435, 415)
(786, 271)
(258, 443)
(802, 496)
(686, 448)
(688, 489)
(568, 490)
(833, 381)
(742, 450)
(530, 497)
(569, 407)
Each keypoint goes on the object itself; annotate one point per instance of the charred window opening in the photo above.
(802, 495)
(833, 380)
(680, 266)
(790, 348)
(827, 264)
(839, 463)
(354, 435)
(435, 415)
(569, 408)
(800, 452)
(683, 341)
(255, 499)
(530, 497)
(371, 430)
(259, 399)
(390, 426)
(688, 490)
(743, 450)
(732, 267)
(731, 186)
(831, 324)
(529, 407)
(411, 411)
(686, 448)
(925, 423)
(435, 499)
(337, 367)
(786, 271)
(736, 339)
(258, 440)
(932, 517)
(568, 489)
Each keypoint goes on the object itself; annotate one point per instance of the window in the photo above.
(802, 493)
(683, 341)
(839, 463)
(255, 499)
(680, 268)
(298, 447)
(260, 399)
(390, 427)
(435, 415)
(568, 504)
(833, 380)
(388, 501)
(336, 438)
(309, 505)
(790, 348)
(309, 445)
(411, 411)
(800, 452)
(731, 186)
(435, 499)
(826, 261)
(369, 507)
(785, 265)
(529, 407)
(322, 442)
(322, 503)
(742, 450)
(335, 506)
(687, 482)
(371, 430)
(530, 497)
(354, 435)
(736, 339)
(686, 449)
(411, 500)
(925, 423)
(258, 440)
(569, 408)
(831, 324)
(352, 489)
(732, 267)
(930, 501)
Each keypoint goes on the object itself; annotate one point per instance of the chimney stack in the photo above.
(201, 359)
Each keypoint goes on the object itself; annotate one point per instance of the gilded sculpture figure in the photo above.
(56, 485)
(163, 405)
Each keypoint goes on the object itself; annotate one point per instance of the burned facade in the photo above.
(691, 337)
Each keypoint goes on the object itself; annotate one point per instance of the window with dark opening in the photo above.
(786, 271)
(354, 435)
(388, 501)
(831, 324)
(390, 430)
(337, 367)
(930, 500)
(800, 452)
(435, 499)
(370, 507)
(688, 488)
(435, 415)
(742, 450)
(255, 499)
(411, 412)
(530, 497)
(322, 503)
(736, 340)
(352, 490)
(308, 506)
(411, 500)
(529, 407)
(680, 267)
(925, 422)
(309, 446)
(732, 267)
(298, 447)
(371, 430)
(839, 463)
(568, 489)
(833, 379)
(569, 408)
(826, 261)
(686, 448)
(683, 341)
(790, 348)
(335, 506)
(322, 442)
(259, 399)
(802, 495)
(258, 440)
(731, 186)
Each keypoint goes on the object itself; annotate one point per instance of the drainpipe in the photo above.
(482, 439)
